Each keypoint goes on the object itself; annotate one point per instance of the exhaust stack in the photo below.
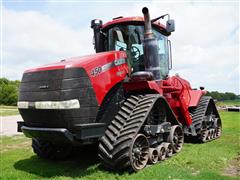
(150, 48)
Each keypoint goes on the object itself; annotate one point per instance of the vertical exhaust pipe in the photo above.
(150, 48)
(147, 22)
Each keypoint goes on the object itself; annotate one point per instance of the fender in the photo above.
(107, 72)
(195, 97)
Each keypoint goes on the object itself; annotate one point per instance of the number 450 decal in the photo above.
(96, 71)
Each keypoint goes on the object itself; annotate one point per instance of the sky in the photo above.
(205, 45)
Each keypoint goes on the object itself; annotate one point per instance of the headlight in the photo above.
(68, 104)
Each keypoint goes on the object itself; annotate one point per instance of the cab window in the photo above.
(129, 38)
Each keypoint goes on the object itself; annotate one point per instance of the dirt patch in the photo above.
(234, 168)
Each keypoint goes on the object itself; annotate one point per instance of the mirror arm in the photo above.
(160, 17)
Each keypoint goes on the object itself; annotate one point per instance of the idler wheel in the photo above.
(176, 138)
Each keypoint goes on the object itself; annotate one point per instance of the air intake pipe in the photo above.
(150, 48)
(98, 42)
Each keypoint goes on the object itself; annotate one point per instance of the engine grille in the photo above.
(58, 85)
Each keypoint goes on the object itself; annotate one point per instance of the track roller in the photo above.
(153, 156)
(169, 149)
(213, 133)
(161, 152)
(209, 137)
(218, 128)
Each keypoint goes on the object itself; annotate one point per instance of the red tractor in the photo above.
(121, 98)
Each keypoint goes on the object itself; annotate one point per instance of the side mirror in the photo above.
(170, 25)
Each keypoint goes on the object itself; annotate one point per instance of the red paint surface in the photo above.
(103, 82)
(195, 97)
(131, 19)
(177, 92)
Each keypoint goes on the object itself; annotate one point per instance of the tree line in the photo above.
(9, 93)
(222, 96)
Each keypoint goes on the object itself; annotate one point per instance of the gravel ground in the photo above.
(8, 126)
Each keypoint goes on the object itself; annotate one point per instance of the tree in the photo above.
(8, 91)
(222, 96)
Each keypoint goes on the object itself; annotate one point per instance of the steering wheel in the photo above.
(135, 53)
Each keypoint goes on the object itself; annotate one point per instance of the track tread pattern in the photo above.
(198, 115)
(199, 112)
(114, 146)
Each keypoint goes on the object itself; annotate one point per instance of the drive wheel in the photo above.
(51, 151)
(139, 152)
(176, 138)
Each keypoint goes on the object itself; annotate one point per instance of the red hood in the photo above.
(83, 61)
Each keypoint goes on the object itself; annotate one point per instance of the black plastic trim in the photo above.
(57, 135)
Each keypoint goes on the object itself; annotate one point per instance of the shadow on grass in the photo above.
(83, 162)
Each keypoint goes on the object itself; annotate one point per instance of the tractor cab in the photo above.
(127, 34)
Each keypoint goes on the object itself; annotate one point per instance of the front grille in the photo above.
(58, 85)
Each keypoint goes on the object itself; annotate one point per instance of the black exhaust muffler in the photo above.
(150, 48)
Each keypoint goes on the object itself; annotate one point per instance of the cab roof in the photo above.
(133, 20)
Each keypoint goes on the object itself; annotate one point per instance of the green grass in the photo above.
(229, 103)
(7, 107)
(195, 161)
(8, 110)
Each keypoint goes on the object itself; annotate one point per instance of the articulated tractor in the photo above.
(121, 98)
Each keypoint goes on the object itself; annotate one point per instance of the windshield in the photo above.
(129, 38)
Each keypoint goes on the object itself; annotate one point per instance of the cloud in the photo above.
(31, 38)
(205, 45)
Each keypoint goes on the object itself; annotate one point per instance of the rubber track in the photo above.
(114, 145)
(199, 113)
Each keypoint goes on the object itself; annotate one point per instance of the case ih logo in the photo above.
(44, 87)
(97, 70)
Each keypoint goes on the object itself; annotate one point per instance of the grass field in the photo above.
(218, 159)
(8, 110)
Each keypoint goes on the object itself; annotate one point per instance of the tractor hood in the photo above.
(87, 62)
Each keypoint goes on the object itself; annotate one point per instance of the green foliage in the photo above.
(8, 91)
(222, 96)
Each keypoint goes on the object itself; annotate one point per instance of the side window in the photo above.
(163, 53)
(120, 46)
